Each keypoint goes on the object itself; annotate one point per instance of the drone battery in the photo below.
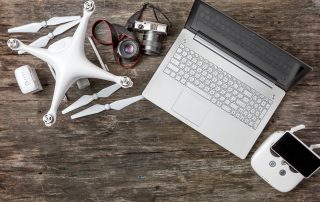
(27, 79)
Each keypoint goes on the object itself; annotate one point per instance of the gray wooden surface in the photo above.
(142, 153)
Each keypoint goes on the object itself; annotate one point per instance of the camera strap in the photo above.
(137, 15)
(115, 39)
(125, 32)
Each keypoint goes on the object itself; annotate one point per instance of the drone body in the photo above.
(69, 63)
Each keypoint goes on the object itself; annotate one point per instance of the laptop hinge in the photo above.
(215, 47)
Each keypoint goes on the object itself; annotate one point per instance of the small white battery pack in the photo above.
(27, 79)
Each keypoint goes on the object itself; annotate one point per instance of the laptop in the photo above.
(222, 79)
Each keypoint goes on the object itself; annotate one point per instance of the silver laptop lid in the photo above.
(259, 54)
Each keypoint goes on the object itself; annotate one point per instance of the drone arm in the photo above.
(98, 73)
(40, 53)
(80, 34)
(61, 87)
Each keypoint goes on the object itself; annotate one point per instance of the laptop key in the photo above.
(184, 60)
(246, 99)
(184, 53)
(213, 100)
(247, 93)
(226, 108)
(234, 106)
(263, 113)
(222, 98)
(219, 103)
(167, 71)
(172, 67)
(194, 60)
(175, 62)
(177, 56)
(242, 104)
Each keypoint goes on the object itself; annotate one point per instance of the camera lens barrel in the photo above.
(151, 42)
(128, 49)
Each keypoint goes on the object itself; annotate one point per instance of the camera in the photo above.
(153, 34)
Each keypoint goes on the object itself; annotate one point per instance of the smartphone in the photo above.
(297, 154)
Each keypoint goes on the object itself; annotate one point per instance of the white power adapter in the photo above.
(27, 79)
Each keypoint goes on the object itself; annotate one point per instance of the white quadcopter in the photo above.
(68, 60)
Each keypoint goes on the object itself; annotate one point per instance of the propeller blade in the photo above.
(120, 104)
(91, 110)
(83, 100)
(86, 99)
(36, 26)
(106, 92)
(60, 20)
(32, 27)
(62, 28)
(41, 42)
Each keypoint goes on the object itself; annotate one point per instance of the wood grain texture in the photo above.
(142, 153)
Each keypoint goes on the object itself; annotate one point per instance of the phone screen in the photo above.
(297, 154)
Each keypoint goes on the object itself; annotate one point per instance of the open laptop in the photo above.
(222, 79)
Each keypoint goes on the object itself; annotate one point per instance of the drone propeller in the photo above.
(86, 99)
(35, 27)
(117, 105)
(43, 41)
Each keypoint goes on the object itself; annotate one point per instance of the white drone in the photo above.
(68, 60)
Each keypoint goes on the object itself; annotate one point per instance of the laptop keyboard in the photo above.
(219, 87)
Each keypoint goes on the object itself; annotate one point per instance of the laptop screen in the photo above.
(263, 56)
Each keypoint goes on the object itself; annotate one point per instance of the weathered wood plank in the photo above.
(141, 153)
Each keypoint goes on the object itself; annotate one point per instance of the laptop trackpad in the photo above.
(191, 107)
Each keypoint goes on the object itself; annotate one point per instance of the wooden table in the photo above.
(142, 153)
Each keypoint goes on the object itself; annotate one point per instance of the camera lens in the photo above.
(151, 43)
(128, 49)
